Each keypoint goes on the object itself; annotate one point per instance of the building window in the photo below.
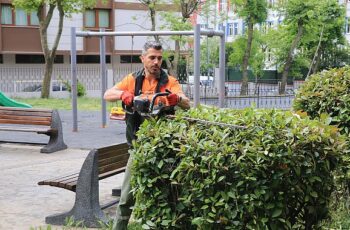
(235, 28)
(268, 55)
(18, 17)
(91, 59)
(97, 18)
(222, 5)
(204, 26)
(220, 27)
(229, 29)
(243, 27)
(35, 59)
(34, 20)
(6, 15)
(347, 26)
(130, 59)
(21, 17)
(1, 59)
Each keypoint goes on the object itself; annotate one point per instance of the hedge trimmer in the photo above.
(147, 107)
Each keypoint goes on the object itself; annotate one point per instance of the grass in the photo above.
(84, 103)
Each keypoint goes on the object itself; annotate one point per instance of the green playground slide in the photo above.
(8, 102)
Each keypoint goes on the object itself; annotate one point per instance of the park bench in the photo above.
(100, 163)
(40, 121)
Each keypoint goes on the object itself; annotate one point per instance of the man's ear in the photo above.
(141, 58)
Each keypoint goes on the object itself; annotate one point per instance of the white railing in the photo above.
(88, 75)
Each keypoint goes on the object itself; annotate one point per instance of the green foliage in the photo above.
(313, 16)
(327, 92)
(69, 6)
(81, 91)
(255, 10)
(339, 215)
(326, 95)
(275, 174)
(257, 55)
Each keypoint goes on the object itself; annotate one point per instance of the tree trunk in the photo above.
(244, 87)
(317, 62)
(152, 12)
(45, 89)
(290, 58)
(49, 54)
(173, 65)
(317, 53)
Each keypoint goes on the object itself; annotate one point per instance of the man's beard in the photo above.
(154, 71)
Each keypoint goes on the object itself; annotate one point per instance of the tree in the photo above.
(331, 38)
(299, 15)
(175, 23)
(44, 10)
(309, 32)
(151, 5)
(257, 54)
(252, 12)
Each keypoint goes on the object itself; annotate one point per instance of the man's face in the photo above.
(152, 61)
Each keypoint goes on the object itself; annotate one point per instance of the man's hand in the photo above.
(127, 98)
(173, 99)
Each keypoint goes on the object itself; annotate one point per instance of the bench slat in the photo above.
(112, 153)
(25, 129)
(112, 159)
(26, 121)
(112, 166)
(62, 181)
(113, 147)
(26, 109)
(111, 173)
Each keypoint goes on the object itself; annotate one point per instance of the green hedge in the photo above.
(328, 93)
(275, 174)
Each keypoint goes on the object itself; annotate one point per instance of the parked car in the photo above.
(37, 88)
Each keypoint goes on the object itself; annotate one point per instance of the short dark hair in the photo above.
(151, 45)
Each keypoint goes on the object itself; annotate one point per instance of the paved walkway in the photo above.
(24, 204)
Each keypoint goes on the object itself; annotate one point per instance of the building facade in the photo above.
(21, 56)
(20, 39)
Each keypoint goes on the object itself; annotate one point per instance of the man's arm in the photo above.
(113, 94)
(184, 102)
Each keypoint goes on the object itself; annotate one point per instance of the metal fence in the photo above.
(25, 81)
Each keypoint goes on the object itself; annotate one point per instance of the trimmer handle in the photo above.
(154, 98)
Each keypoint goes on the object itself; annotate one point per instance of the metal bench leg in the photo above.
(87, 206)
(56, 142)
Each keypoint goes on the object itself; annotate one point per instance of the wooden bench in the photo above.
(40, 121)
(99, 164)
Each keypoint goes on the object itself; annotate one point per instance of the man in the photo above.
(150, 80)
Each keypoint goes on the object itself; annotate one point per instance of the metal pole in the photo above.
(73, 56)
(146, 33)
(103, 72)
(221, 85)
(196, 74)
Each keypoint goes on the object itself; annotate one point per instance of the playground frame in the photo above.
(197, 32)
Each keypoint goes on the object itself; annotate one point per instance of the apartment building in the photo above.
(22, 60)
(20, 39)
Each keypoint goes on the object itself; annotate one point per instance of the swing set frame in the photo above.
(197, 32)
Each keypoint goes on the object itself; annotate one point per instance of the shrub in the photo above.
(81, 91)
(275, 174)
(327, 92)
